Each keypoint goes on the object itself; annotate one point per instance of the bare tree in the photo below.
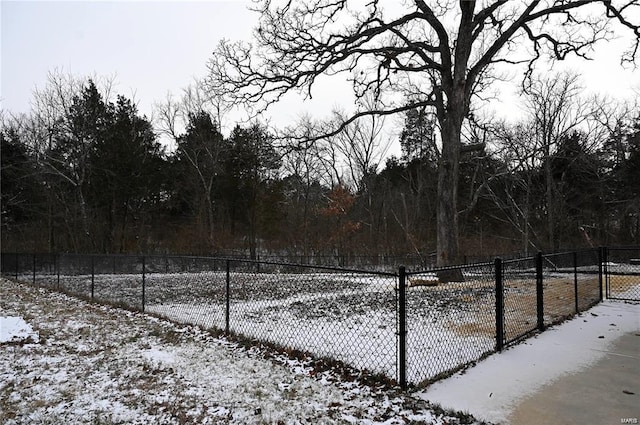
(522, 159)
(555, 109)
(439, 54)
(303, 165)
(48, 127)
(171, 116)
(608, 121)
(361, 144)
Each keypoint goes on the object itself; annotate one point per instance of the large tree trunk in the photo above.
(447, 245)
(456, 88)
(447, 209)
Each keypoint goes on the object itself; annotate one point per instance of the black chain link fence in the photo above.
(411, 327)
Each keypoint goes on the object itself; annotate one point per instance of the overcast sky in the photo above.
(157, 47)
(151, 47)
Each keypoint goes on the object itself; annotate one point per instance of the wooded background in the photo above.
(85, 172)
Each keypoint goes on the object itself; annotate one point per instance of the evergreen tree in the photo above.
(197, 168)
(20, 192)
(251, 165)
(128, 175)
(69, 161)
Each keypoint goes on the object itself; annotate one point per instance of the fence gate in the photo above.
(622, 273)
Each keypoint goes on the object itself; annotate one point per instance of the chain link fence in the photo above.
(383, 262)
(412, 327)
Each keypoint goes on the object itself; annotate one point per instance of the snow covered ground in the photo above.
(493, 388)
(63, 360)
(351, 317)
(66, 361)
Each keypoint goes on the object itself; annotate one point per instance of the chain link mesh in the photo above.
(449, 324)
(187, 290)
(571, 284)
(333, 313)
(520, 298)
(622, 266)
(588, 279)
(559, 290)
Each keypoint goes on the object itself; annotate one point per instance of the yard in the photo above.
(350, 317)
(80, 362)
(83, 363)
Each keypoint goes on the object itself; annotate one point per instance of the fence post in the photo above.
(34, 269)
(602, 258)
(93, 275)
(58, 260)
(227, 297)
(17, 264)
(539, 292)
(143, 282)
(402, 327)
(575, 280)
(499, 305)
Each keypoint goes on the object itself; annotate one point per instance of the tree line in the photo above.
(84, 173)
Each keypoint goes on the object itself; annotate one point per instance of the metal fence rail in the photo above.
(408, 325)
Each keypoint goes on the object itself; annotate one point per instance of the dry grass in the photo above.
(520, 303)
(472, 329)
(619, 284)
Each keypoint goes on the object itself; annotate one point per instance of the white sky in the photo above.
(151, 47)
(155, 47)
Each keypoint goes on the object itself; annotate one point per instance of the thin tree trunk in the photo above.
(525, 217)
(551, 223)
(84, 218)
(50, 225)
(123, 229)
(210, 219)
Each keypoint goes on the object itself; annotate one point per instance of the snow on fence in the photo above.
(408, 326)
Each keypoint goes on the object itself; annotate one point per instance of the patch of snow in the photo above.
(15, 329)
(157, 355)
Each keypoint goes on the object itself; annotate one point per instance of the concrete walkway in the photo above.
(607, 392)
(585, 371)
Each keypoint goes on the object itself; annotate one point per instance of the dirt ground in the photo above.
(520, 302)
